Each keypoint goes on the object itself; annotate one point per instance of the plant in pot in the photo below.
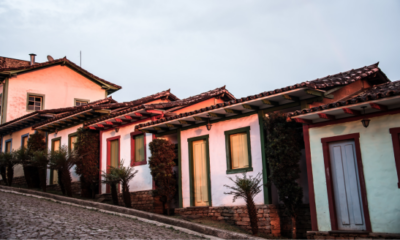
(125, 174)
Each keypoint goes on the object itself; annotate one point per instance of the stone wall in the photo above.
(76, 188)
(271, 218)
(351, 235)
(19, 181)
(143, 200)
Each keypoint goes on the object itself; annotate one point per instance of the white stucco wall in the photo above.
(59, 84)
(143, 179)
(64, 141)
(218, 166)
(379, 171)
(15, 145)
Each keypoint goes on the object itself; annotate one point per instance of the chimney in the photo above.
(32, 58)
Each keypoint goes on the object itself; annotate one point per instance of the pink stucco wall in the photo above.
(59, 84)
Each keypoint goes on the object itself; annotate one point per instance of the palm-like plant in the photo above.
(111, 178)
(8, 160)
(247, 188)
(40, 159)
(24, 158)
(125, 174)
(63, 160)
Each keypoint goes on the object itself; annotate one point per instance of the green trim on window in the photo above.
(37, 95)
(69, 140)
(229, 169)
(265, 170)
(52, 149)
(191, 180)
(81, 100)
(179, 169)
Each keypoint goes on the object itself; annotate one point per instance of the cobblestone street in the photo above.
(28, 217)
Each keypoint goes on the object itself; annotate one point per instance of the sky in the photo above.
(192, 46)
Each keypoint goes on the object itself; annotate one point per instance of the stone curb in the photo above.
(145, 216)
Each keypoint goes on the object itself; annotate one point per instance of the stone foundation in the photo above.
(19, 181)
(143, 200)
(351, 235)
(75, 186)
(271, 218)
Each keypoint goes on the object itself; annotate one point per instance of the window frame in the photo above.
(108, 189)
(229, 169)
(51, 180)
(34, 95)
(5, 144)
(81, 100)
(75, 134)
(22, 139)
(395, 132)
(133, 162)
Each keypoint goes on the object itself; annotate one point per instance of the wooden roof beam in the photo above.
(326, 116)
(351, 111)
(270, 102)
(378, 106)
(184, 122)
(251, 107)
(161, 128)
(300, 120)
(201, 119)
(234, 111)
(290, 97)
(216, 115)
(318, 93)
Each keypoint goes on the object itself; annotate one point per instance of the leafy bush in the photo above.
(125, 174)
(36, 142)
(40, 160)
(111, 178)
(7, 163)
(283, 154)
(247, 188)
(161, 166)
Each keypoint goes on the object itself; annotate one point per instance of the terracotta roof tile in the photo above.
(380, 91)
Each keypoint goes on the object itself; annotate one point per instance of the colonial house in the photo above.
(35, 92)
(120, 139)
(353, 164)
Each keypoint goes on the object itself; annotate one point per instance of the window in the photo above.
(72, 138)
(55, 146)
(8, 146)
(35, 102)
(238, 151)
(138, 149)
(24, 140)
(396, 149)
(80, 102)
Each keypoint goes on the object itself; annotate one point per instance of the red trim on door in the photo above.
(311, 195)
(109, 155)
(328, 173)
(395, 132)
(101, 159)
(133, 156)
(154, 183)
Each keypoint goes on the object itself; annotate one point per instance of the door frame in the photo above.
(108, 190)
(191, 174)
(329, 184)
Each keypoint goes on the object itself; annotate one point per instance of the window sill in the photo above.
(240, 170)
(138, 163)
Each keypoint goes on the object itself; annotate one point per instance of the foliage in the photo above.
(282, 149)
(7, 162)
(161, 166)
(87, 146)
(30, 171)
(111, 178)
(63, 160)
(36, 142)
(247, 188)
(125, 174)
(40, 159)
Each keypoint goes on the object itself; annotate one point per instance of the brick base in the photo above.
(271, 218)
(143, 200)
(16, 181)
(350, 235)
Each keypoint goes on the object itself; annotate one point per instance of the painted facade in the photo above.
(379, 171)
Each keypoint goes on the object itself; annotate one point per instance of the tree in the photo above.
(23, 156)
(282, 149)
(62, 160)
(36, 142)
(40, 159)
(161, 166)
(7, 162)
(88, 147)
(125, 174)
(247, 188)
(111, 178)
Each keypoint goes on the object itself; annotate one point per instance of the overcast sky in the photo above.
(192, 46)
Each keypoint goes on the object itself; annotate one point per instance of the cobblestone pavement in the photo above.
(28, 217)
